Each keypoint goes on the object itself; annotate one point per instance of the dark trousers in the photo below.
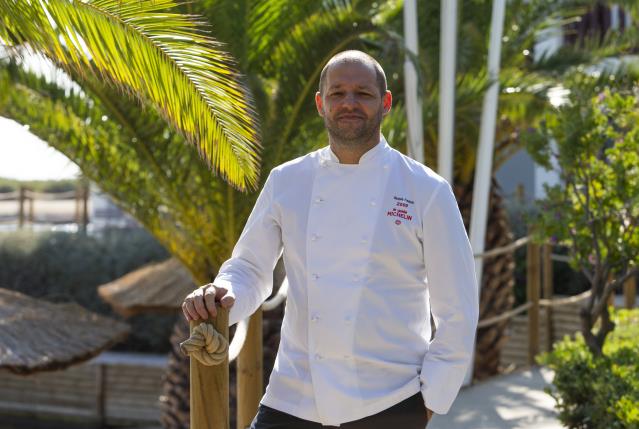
(408, 414)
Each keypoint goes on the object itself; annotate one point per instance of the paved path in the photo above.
(513, 401)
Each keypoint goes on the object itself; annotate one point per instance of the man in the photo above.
(372, 241)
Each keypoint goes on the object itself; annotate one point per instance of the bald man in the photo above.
(373, 244)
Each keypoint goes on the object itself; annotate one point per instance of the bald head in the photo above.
(354, 57)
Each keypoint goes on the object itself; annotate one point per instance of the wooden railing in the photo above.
(209, 385)
(26, 197)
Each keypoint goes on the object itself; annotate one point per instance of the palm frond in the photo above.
(163, 58)
(295, 65)
(140, 162)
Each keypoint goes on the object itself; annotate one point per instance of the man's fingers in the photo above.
(209, 302)
(224, 297)
(186, 313)
(190, 309)
(202, 303)
(198, 301)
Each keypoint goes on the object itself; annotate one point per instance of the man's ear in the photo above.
(319, 104)
(387, 101)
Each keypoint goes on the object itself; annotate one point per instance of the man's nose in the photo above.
(350, 99)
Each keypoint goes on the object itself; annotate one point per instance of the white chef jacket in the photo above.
(369, 250)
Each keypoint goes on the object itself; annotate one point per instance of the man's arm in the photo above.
(452, 287)
(248, 274)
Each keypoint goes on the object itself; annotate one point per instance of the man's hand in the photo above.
(200, 303)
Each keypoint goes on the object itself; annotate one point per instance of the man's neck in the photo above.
(351, 153)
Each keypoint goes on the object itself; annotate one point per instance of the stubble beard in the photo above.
(354, 136)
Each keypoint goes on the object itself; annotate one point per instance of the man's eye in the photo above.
(365, 94)
(336, 94)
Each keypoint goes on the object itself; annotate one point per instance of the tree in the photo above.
(131, 153)
(523, 87)
(595, 208)
(151, 53)
(280, 47)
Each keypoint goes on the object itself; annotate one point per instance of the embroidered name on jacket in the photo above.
(401, 208)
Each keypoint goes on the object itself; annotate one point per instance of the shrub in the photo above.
(595, 392)
(62, 267)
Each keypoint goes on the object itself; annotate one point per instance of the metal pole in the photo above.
(448, 54)
(415, 143)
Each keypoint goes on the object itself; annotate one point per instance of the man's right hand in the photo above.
(200, 303)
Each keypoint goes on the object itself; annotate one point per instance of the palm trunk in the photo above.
(497, 284)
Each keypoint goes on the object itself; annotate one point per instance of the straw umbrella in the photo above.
(40, 336)
(154, 287)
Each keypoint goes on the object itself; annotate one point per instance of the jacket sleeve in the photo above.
(248, 274)
(454, 300)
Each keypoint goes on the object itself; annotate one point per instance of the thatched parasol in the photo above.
(37, 335)
(158, 286)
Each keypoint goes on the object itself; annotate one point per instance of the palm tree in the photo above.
(523, 97)
(161, 57)
(280, 46)
(129, 151)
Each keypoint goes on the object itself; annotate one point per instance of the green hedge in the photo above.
(598, 392)
(62, 267)
(10, 185)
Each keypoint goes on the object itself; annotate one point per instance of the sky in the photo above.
(24, 156)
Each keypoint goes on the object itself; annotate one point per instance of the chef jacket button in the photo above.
(315, 276)
(373, 203)
(314, 237)
(315, 318)
(318, 356)
(319, 199)
(348, 320)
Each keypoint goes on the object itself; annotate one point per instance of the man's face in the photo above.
(351, 105)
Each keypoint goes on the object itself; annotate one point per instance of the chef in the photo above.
(373, 244)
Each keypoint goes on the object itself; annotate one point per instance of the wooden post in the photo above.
(21, 207)
(249, 372)
(85, 206)
(533, 290)
(630, 292)
(100, 393)
(548, 292)
(210, 384)
(78, 198)
(31, 217)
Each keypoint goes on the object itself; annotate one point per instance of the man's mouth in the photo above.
(350, 117)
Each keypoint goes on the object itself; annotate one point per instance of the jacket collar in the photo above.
(372, 156)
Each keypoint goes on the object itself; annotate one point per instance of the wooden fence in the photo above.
(26, 199)
(111, 389)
